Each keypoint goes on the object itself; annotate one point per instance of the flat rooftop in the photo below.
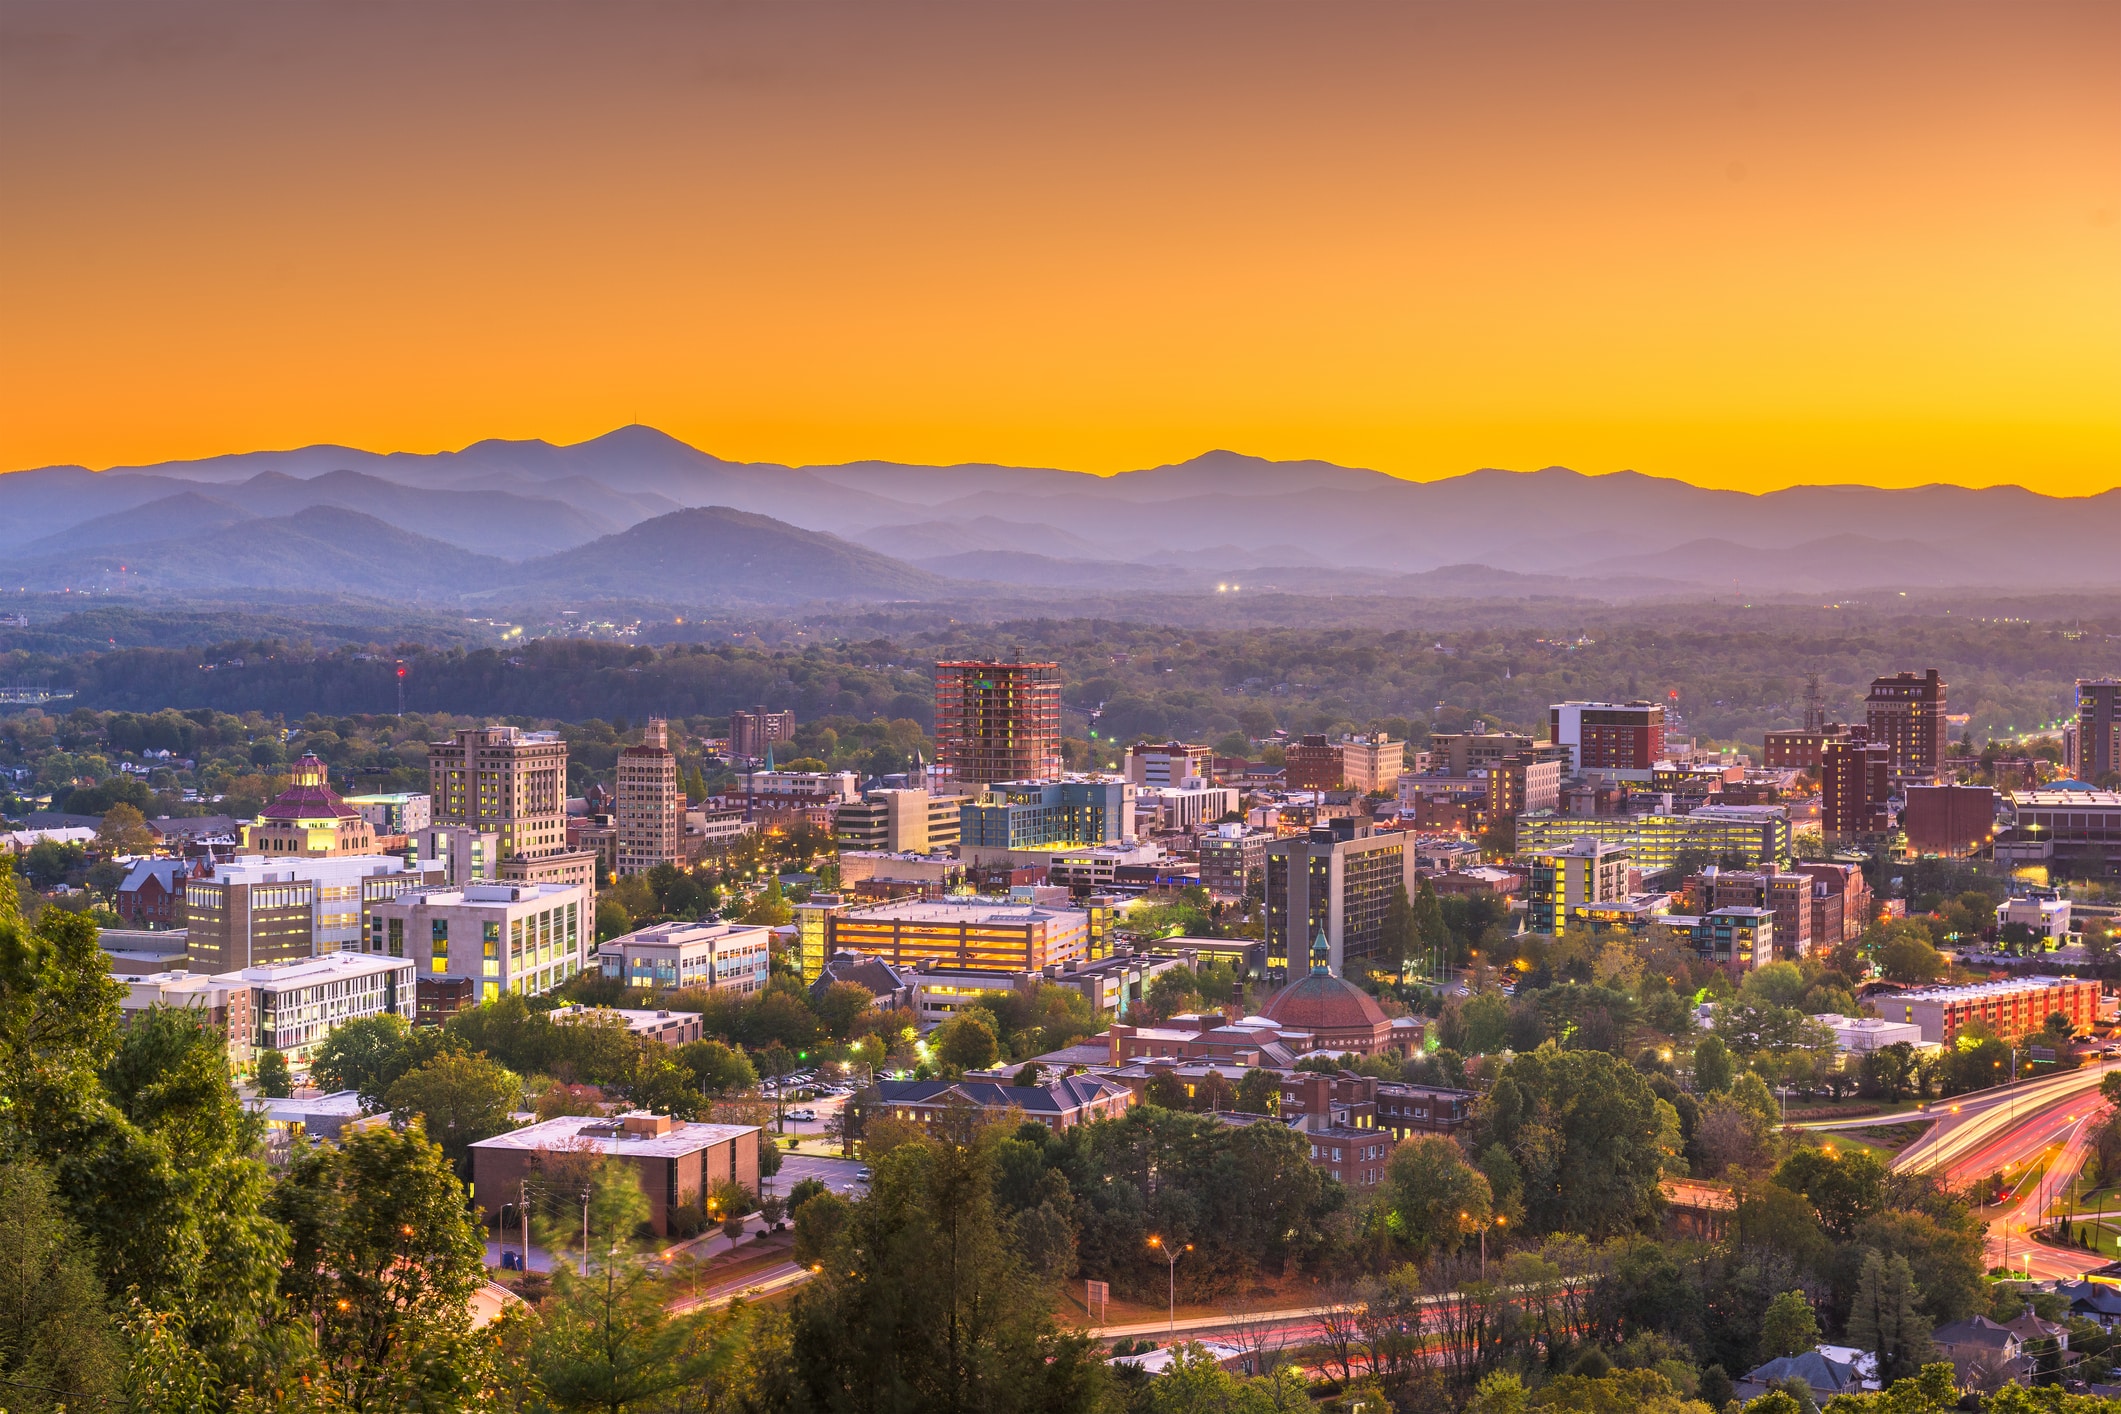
(1977, 990)
(594, 1132)
(2067, 799)
(956, 912)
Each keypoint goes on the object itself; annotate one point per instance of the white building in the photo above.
(294, 1005)
(672, 1028)
(709, 956)
(1183, 807)
(2048, 917)
(1169, 764)
(504, 937)
(397, 813)
(1857, 1034)
(462, 853)
(790, 789)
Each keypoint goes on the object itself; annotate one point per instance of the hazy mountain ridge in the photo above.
(1181, 525)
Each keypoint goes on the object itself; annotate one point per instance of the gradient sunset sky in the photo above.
(1745, 245)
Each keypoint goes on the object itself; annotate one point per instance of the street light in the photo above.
(1171, 1256)
(1497, 1221)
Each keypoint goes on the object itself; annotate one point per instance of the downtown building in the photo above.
(1336, 880)
(2094, 743)
(254, 911)
(753, 734)
(469, 944)
(650, 805)
(1855, 784)
(1570, 882)
(511, 784)
(1757, 834)
(1618, 740)
(997, 721)
(1905, 714)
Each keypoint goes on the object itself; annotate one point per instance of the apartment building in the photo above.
(1855, 783)
(1786, 895)
(1585, 873)
(1905, 713)
(1460, 754)
(754, 733)
(1232, 859)
(1621, 740)
(650, 805)
(2011, 1009)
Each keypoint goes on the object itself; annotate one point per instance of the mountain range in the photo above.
(639, 515)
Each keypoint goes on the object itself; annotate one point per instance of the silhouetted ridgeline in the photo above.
(569, 679)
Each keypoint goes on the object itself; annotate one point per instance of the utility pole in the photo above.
(523, 1217)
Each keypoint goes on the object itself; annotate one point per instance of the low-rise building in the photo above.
(909, 821)
(395, 813)
(1060, 1104)
(1022, 815)
(672, 1028)
(217, 1004)
(1739, 940)
(309, 819)
(294, 1005)
(1858, 1034)
(152, 895)
(502, 937)
(2048, 917)
(1232, 859)
(1176, 808)
(678, 1162)
(733, 957)
(964, 932)
(1586, 872)
(2011, 1009)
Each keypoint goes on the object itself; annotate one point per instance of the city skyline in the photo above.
(1747, 247)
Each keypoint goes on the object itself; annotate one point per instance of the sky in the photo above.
(1744, 245)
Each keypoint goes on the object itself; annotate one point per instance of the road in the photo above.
(2001, 1132)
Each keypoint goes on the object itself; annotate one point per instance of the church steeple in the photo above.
(1321, 955)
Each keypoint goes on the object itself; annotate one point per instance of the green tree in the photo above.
(369, 1053)
(124, 831)
(1485, 1017)
(57, 1349)
(460, 1099)
(1712, 1066)
(1431, 1196)
(840, 1006)
(1886, 1317)
(967, 1040)
(274, 1080)
(1259, 1093)
(924, 1304)
(1789, 1327)
(1432, 935)
(1585, 1132)
(1907, 957)
(717, 1069)
(1399, 942)
(383, 1263)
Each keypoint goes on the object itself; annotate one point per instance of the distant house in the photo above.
(2094, 1301)
(1980, 1343)
(1826, 1374)
(890, 987)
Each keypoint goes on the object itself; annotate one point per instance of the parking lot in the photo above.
(842, 1176)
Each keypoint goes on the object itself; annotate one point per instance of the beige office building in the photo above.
(899, 822)
(651, 807)
(511, 784)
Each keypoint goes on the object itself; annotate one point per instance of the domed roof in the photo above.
(1323, 1002)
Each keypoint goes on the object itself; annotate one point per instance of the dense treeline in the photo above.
(1738, 671)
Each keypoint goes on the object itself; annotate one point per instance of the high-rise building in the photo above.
(998, 721)
(1616, 738)
(1855, 780)
(511, 784)
(1337, 880)
(752, 734)
(651, 807)
(2098, 734)
(1313, 763)
(503, 781)
(1802, 748)
(1586, 872)
(1905, 713)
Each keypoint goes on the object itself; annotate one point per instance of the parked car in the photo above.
(803, 1116)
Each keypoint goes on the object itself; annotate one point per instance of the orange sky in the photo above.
(1745, 245)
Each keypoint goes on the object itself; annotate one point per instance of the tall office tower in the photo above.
(651, 806)
(1616, 738)
(752, 734)
(1855, 778)
(503, 781)
(1905, 713)
(998, 721)
(1337, 879)
(2098, 753)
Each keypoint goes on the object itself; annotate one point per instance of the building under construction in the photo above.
(998, 721)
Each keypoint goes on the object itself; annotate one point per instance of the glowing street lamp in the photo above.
(1171, 1255)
